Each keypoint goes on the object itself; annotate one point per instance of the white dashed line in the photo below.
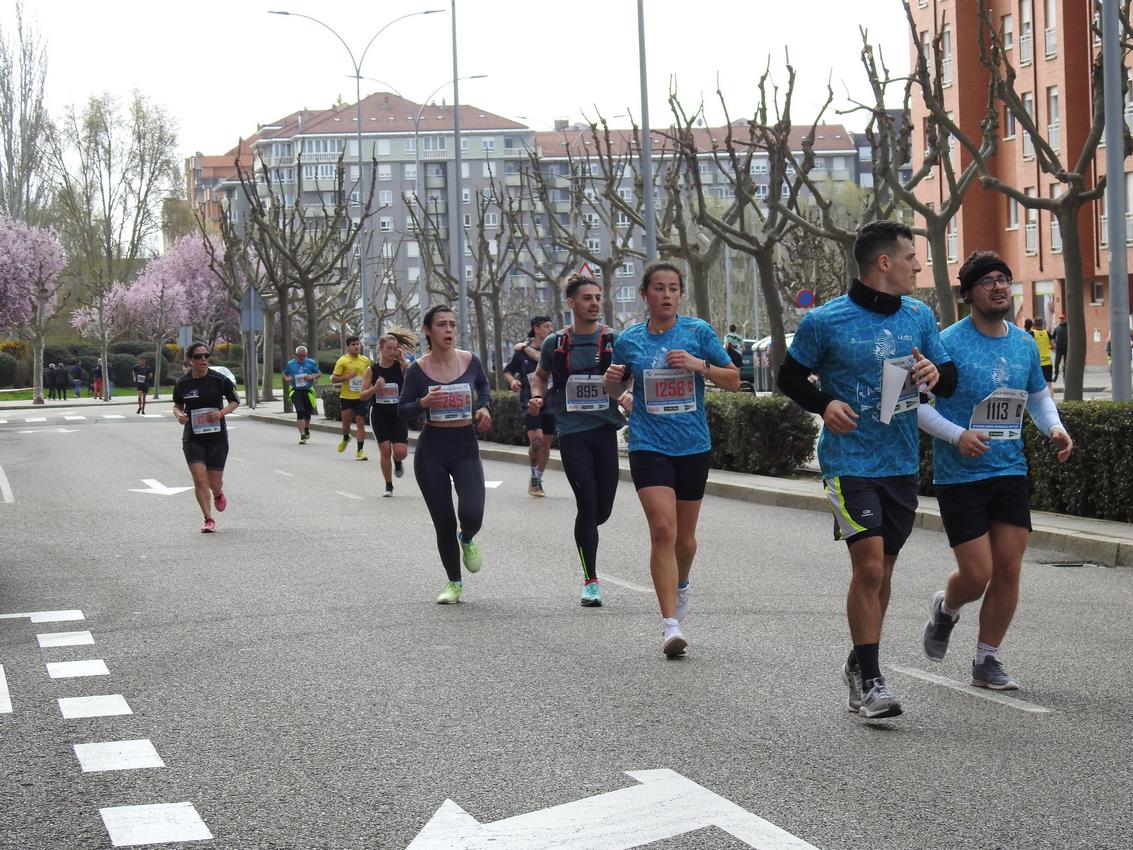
(153, 416)
(113, 416)
(6, 488)
(117, 755)
(164, 823)
(981, 693)
(5, 696)
(53, 639)
(3, 421)
(36, 419)
(492, 485)
(606, 577)
(46, 616)
(281, 472)
(75, 669)
(108, 705)
(350, 495)
(75, 418)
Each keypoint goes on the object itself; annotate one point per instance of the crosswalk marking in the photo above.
(5, 696)
(53, 639)
(36, 419)
(106, 705)
(75, 669)
(75, 418)
(113, 416)
(117, 755)
(163, 823)
(45, 616)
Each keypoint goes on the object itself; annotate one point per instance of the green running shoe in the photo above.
(471, 556)
(451, 594)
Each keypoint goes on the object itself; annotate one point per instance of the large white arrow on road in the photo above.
(156, 487)
(664, 805)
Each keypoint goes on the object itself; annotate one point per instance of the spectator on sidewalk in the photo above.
(1061, 339)
(49, 381)
(77, 379)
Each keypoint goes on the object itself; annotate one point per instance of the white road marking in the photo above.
(981, 693)
(234, 416)
(49, 431)
(113, 416)
(53, 639)
(281, 472)
(75, 418)
(5, 695)
(664, 805)
(117, 755)
(158, 489)
(606, 577)
(350, 495)
(46, 616)
(163, 823)
(6, 488)
(153, 416)
(36, 419)
(106, 705)
(75, 669)
(492, 485)
(3, 421)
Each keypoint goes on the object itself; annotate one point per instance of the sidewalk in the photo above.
(1081, 540)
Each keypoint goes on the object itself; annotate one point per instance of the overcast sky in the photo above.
(222, 66)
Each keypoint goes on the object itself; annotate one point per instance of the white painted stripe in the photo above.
(113, 416)
(106, 705)
(45, 616)
(5, 695)
(36, 419)
(234, 416)
(75, 669)
(53, 639)
(350, 495)
(3, 421)
(6, 488)
(981, 693)
(117, 755)
(163, 823)
(281, 472)
(75, 418)
(153, 416)
(606, 577)
(492, 485)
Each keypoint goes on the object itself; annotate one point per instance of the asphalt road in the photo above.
(303, 690)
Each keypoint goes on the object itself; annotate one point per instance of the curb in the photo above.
(1049, 530)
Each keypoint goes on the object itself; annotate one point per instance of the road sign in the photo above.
(662, 806)
(585, 270)
(184, 337)
(251, 311)
(804, 299)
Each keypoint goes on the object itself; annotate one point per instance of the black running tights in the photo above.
(590, 461)
(443, 458)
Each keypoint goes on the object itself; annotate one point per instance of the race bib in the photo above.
(908, 395)
(455, 404)
(669, 391)
(301, 380)
(388, 394)
(199, 421)
(586, 392)
(356, 384)
(1000, 415)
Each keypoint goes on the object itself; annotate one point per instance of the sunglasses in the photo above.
(200, 355)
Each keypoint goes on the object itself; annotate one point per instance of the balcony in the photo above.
(1031, 237)
(1025, 49)
(515, 180)
(1051, 36)
(1104, 241)
(1054, 136)
(435, 182)
(428, 154)
(1028, 146)
(321, 157)
(1055, 236)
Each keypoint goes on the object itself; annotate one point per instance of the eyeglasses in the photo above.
(200, 355)
(993, 280)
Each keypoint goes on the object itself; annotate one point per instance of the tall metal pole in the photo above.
(1115, 205)
(422, 296)
(646, 144)
(363, 247)
(455, 218)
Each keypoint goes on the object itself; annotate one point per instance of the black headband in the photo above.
(978, 270)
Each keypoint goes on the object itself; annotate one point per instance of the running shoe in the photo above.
(535, 487)
(852, 679)
(360, 455)
(221, 502)
(389, 490)
(451, 594)
(307, 433)
(673, 641)
(591, 595)
(938, 630)
(991, 674)
(398, 469)
(471, 554)
(209, 527)
(683, 594)
(343, 443)
(303, 440)
(879, 701)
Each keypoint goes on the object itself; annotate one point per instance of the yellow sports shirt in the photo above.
(355, 370)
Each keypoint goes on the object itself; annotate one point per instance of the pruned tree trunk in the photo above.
(937, 236)
(1075, 367)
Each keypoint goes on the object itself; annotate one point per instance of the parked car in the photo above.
(224, 370)
(755, 367)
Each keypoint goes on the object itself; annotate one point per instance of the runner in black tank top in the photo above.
(382, 387)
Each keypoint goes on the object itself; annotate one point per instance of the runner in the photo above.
(869, 456)
(199, 404)
(668, 356)
(349, 372)
(301, 374)
(540, 427)
(142, 375)
(441, 384)
(588, 420)
(381, 389)
(979, 470)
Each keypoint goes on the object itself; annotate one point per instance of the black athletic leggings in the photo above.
(445, 454)
(590, 461)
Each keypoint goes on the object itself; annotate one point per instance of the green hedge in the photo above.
(759, 435)
(507, 420)
(7, 369)
(1095, 481)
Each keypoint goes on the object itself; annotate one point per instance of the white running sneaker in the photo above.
(673, 641)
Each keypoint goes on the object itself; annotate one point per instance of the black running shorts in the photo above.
(544, 422)
(686, 474)
(386, 428)
(212, 453)
(873, 507)
(968, 510)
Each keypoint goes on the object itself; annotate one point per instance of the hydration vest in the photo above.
(560, 362)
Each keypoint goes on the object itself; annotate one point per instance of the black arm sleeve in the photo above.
(949, 378)
(793, 380)
(409, 405)
(483, 389)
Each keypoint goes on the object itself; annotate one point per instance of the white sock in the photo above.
(537, 473)
(669, 623)
(983, 650)
(953, 613)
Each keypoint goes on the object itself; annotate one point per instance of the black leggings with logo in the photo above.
(590, 461)
(444, 458)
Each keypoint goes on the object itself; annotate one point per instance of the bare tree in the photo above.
(24, 123)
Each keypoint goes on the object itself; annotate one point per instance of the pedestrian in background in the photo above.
(1061, 339)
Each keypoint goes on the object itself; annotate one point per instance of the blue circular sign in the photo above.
(804, 298)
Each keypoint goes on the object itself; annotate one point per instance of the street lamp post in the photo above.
(357, 63)
(646, 146)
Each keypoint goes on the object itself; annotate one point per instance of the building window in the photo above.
(489, 169)
(760, 191)
(1054, 129)
(353, 173)
(626, 269)
(385, 224)
(946, 55)
(626, 194)
(436, 143)
(591, 219)
(1008, 123)
(411, 145)
(1012, 214)
(383, 147)
(623, 220)
(412, 249)
(385, 171)
(1029, 143)
(488, 144)
(759, 165)
(466, 196)
(385, 198)
(594, 246)
(1007, 31)
(1025, 32)
(1097, 292)
(491, 219)
(1050, 35)
(625, 294)
(333, 146)
(389, 250)
(411, 171)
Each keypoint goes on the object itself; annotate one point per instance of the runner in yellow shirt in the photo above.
(1042, 340)
(348, 374)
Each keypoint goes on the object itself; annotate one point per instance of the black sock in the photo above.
(867, 661)
(360, 442)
